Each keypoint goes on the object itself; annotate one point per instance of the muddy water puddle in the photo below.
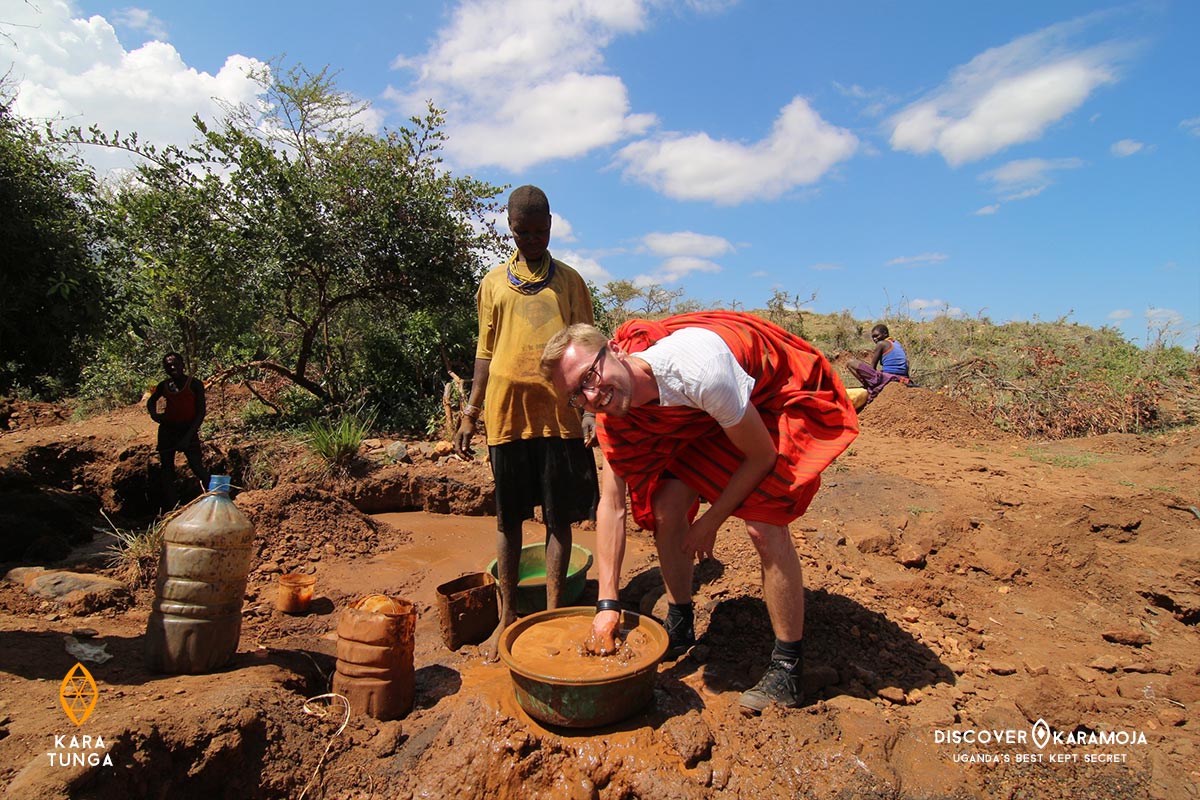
(438, 548)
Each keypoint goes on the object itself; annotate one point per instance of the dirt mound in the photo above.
(450, 487)
(916, 413)
(18, 415)
(297, 525)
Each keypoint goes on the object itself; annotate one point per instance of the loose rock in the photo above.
(1127, 636)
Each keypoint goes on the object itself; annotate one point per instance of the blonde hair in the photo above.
(580, 334)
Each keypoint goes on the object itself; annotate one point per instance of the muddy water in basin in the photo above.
(554, 649)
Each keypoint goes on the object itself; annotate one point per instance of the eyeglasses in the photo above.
(589, 382)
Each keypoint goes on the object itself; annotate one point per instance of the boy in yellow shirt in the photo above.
(536, 442)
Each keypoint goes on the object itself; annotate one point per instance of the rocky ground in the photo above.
(986, 617)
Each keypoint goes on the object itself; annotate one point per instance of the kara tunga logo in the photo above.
(78, 693)
(79, 751)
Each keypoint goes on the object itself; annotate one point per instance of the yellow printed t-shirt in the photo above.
(513, 331)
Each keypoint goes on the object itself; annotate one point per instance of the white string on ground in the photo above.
(321, 712)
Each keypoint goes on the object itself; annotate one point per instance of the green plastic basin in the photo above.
(531, 576)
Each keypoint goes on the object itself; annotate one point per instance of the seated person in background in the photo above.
(889, 363)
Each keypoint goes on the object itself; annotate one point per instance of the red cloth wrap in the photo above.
(799, 395)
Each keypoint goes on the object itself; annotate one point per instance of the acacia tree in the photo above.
(52, 291)
(787, 310)
(623, 300)
(268, 242)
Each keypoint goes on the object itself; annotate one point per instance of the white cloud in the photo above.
(928, 309)
(1024, 194)
(521, 80)
(684, 253)
(559, 119)
(139, 19)
(1027, 171)
(1120, 314)
(874, 102)
(686, 243)
(923, 258)
(524, 81)
(76, 71)
(710, 6)
(1126, 147)
(1025, 178)
(1191, 125)
(674, 270)
(1006, 95)
(561, 228)
(853, 91)
(799, 150)
(1163, 317)
(586, 266)
(992, 209)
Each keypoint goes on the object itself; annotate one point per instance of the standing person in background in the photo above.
(178, 424)
(536, 442)
(889, 363)
(718, 406)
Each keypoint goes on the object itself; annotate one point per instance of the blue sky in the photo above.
(1018, 160)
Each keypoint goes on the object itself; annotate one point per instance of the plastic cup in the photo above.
(295, 592)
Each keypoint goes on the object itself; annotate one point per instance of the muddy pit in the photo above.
(961, 585)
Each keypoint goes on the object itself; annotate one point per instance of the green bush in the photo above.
(405, 364)
(112, 380)
(297, 404)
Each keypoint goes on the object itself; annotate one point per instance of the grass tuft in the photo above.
(336, 442)
(134, 557)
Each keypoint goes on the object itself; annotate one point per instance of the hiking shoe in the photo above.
(681, 635)
(779, 684)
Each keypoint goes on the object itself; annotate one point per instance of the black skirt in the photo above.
(557, 474)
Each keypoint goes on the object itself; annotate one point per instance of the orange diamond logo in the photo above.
(78, 694)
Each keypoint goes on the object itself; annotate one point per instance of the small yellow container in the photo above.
(295, 593)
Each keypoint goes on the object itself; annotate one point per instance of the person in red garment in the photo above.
(719, 406)
(178, 424)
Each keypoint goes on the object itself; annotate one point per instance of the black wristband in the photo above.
(608, 605)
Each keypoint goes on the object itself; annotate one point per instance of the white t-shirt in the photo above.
(695, 368)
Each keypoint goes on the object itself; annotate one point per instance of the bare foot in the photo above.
(490, 650)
